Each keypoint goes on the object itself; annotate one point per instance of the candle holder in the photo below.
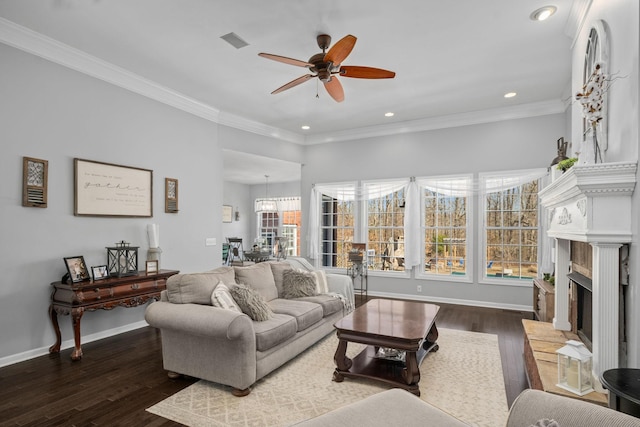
(574, 368)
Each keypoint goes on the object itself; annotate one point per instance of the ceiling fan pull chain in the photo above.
(317, 89)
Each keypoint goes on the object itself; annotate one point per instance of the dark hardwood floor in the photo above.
(119, 377)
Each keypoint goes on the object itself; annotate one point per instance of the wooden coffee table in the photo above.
(387, 324)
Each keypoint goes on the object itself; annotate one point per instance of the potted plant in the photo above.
(549, 278)
(564, 165)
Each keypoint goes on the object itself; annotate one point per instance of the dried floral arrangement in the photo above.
(592, 96)
(592, 99)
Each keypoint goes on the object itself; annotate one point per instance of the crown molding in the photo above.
(242, 123)
(576, 19)
(52, 50)
(442, 122)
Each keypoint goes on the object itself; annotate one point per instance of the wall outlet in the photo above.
(210, 241)
(419, 288)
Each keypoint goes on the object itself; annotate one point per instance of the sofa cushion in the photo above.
(306, 313)
(328, 303)
(196, 288)
(278, 269)
(259, 278)
(251, 303)
(221, 298)
(274, 331)
(296, 284)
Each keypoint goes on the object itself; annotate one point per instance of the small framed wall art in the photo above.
(171, 195)
(76, 268)
(227, 213)
(34, 182)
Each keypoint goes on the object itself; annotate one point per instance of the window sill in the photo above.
(518, 283)
(397, 274)
(444, 278)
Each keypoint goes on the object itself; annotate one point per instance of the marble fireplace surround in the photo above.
(592, 204)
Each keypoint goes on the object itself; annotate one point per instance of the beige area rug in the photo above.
(463, 378)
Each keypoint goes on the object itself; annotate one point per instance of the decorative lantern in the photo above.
(574, 368)
(122, 260)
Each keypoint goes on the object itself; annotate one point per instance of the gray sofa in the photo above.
(533, 408)
(228, 347)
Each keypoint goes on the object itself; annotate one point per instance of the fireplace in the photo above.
(581, 310)
(589, 215)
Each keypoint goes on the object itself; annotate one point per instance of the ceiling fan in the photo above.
(326, 66)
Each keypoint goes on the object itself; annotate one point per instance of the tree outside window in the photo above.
(511, 232)
(445, 203)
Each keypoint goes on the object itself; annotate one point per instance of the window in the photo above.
(385, 203)
(511, 226)
(445, 225)
(269, 224)
(285, 221)
(291, 221)
(337, 224)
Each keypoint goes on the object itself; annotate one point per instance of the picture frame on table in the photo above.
(77, 269)
(152, 267)
(99, 272)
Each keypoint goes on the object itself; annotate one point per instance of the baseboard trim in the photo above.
(37, 352)
(455, 301)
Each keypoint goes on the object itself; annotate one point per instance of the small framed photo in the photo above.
(152, 266)
(99, 272)
(77, 269)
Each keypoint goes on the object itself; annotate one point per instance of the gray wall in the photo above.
(506, 145)
(54, 113)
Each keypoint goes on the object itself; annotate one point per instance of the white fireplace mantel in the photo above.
(592, 203)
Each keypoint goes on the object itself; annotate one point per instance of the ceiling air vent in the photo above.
(234, 40)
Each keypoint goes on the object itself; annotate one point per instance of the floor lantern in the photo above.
(574, 368)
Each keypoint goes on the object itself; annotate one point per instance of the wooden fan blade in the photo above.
(293, 83)
(340, 50)
(334, 87)
(365, 72)
(286, 60)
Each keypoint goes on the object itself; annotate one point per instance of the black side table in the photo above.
(624, 390)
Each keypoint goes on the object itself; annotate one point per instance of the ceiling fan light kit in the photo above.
(326, 66)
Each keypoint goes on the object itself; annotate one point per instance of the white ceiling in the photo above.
(450, 57)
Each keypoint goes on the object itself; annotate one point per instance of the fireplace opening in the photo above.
(582, 307)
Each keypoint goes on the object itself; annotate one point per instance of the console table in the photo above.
(104, 294)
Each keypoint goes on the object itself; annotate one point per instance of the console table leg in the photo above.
(53, 315)
(76, 316)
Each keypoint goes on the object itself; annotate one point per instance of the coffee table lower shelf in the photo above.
(392, 372)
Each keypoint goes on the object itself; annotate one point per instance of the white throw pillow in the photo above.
(221, 298)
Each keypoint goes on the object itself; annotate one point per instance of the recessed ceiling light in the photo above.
(510, 94)
(389, 114)
(305, 127)
(543, 13)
